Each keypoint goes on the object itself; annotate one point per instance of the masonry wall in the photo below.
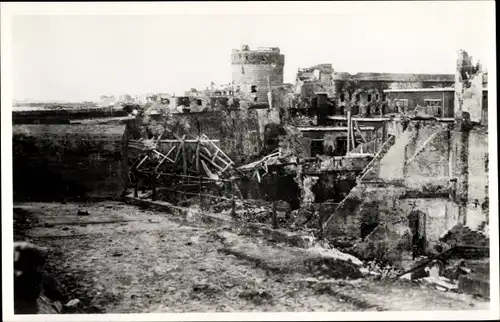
(365, 202)
(477, 194)
(430, 167)
(255, 68)
(425, 176)
(238, 131)
(441, 214)
(53, 162)
(55, 116)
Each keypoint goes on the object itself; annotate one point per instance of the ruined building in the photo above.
(255, 72)
(425, 179)
(318, 78)
(362, 93)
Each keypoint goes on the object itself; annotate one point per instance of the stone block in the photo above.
(475, 284)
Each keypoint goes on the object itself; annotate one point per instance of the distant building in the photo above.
(365, 91)
(438, 102)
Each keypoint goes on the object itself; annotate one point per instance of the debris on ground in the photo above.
(83, 213)
(200, 268)
(72, 306)
(333, 268)
(463, 235)
(256, 296)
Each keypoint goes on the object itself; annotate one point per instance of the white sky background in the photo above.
(80, 57)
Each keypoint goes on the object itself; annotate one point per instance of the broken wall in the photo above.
(427, 156)
(362, 203)
(334, 186)
(53, 162)
(441, 214)
(264, 117)
(478, 177)
(426, 145)
(468, 87)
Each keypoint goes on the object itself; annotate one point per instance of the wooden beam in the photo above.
(348, 130)
(198, 155)
(421, 148)
(142, 161)
(359, 131)
(170, 151)
(184, 159)
(189, 141)
(210, 161)
(352, 136)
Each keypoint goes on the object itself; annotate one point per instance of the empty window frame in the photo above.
(369, 98)
(377, 97)
(254, 89)
(434, 107)
(401, 104)
(342, 98)
(317, 147)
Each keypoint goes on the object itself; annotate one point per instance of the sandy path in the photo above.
(122, 259)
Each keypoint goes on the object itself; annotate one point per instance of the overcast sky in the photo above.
(80, 57)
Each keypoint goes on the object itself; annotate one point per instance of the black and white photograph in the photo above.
(249, 160)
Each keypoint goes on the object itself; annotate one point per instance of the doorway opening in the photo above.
(417, 220)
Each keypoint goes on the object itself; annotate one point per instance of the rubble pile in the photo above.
(460, 235)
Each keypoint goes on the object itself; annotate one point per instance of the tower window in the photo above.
(342, 97)
(254, 89)
(369, 97)
(376, 97)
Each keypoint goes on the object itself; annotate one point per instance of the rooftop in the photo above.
(396, 77)
(413, 90)
(259, 49)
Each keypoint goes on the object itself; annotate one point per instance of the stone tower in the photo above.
(254, 70)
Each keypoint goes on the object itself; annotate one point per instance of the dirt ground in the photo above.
(124, 259)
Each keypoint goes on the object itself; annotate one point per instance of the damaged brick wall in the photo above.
(56, 161)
